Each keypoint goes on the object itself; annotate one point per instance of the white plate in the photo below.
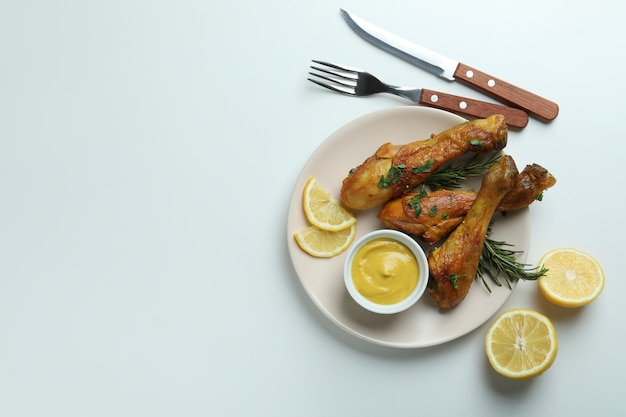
(422, 325)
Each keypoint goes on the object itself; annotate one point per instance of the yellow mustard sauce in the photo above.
(385, 271)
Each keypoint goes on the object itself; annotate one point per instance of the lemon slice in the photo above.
(574, 278)
(325, 244)
(521, 344)
(322, 211)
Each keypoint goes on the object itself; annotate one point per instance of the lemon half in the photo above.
(521, 344)
(574, 278)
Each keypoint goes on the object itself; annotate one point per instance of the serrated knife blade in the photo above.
(451, 69)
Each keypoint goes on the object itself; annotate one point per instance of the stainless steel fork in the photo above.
(356, 82)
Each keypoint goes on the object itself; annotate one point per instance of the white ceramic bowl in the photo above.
(405, 303)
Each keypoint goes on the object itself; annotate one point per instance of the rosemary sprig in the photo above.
(452, 176)
(496, 260)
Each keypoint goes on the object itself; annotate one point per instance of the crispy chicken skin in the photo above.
(454, 264)
(530, 183)
(443, 210)
(360, 189)
(451, 208)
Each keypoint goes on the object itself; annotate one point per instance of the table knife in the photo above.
(451, 69)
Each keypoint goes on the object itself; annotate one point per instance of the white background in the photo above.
(148, 152)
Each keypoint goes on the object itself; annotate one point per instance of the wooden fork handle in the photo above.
(469, 107)
(507, 93)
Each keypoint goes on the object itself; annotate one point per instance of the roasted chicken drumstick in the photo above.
(395, 169)
(434, 215)
(454, 264)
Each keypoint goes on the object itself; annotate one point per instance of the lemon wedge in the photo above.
(322, 211)
(323, 243)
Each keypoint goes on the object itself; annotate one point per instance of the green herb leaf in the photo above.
(393, 176)
(477, 143)
(423, 168)
(454, 279)
(415, 202)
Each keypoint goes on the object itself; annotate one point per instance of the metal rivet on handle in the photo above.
(463, 105)
(491, 83)
(434, 98)
(469, 74)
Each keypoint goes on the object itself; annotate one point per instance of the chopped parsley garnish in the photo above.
(477, 143)
(454, 279)
(423, 168)
(415, 202)
(393, 176)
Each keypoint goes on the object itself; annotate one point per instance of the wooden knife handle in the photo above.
(509, 93)
(513, 116)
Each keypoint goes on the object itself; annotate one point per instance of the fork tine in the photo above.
(345, 74)
(339, 78)
(334, 74)
(339, 87)
(339, 67)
